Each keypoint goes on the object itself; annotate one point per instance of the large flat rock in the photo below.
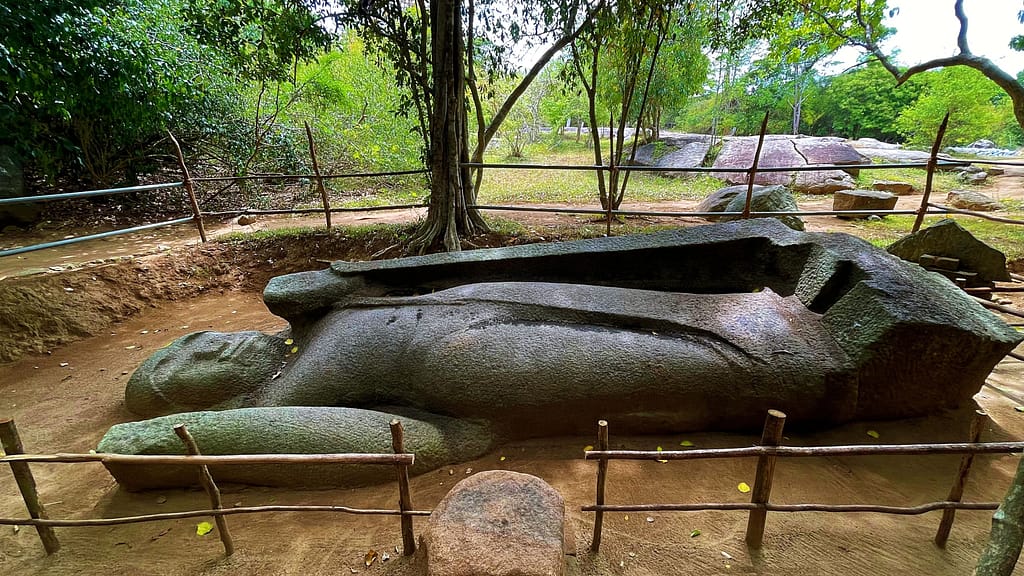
(791, 152)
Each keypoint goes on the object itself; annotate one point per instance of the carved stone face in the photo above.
(204, 370)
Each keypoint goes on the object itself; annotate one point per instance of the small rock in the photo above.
(497, 522)
(892, 186)
(971, 200)
(862, 200)
(246, 220)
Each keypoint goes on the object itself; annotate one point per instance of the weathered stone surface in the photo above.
(780, 151)
(892, 152)
(677, 151)
(971, 200)
(698, 328)
(767, 199)
(823, 182)
(995, 171)
(436, 440)
(829, 151)
(897, 188)
(862, 200)
(738, 152)
(12, 185)
(948, 239)
(497, 523)
(719, 199)
(204, 370)
(972, 177)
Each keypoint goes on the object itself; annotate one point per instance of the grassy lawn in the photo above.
(1008, 238)
(502, 186)
(943, 181)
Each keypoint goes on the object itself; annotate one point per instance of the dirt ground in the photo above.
(69, 391)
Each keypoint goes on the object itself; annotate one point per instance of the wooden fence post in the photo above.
(956, 493)
(206, 479)
(771, 436)
(197, 215)
(602, 474)
(932, 161)
(752, 173)
(11, 442)
(404, 499)
(319, 179)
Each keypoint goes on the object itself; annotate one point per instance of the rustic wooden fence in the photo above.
(19, 462)
(770, 450)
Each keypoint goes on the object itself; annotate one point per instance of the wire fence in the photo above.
(927, 207)
(19, 462)
(767, 454)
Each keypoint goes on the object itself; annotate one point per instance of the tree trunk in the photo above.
(1004, 544)
(448, 214)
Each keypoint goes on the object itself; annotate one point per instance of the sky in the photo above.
(927, 29)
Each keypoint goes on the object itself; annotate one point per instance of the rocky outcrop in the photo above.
(767, 199)
(862, 200)
(497, 523)
(948, 239)
(678, 151)
(823, 182)
(971, 200)
(787, 152)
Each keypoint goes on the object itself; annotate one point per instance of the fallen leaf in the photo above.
(63, 364)
(204, 528)
(370, 557)
(129, 347)
(687, 444)
(622, 563)
(384, 557)
(632, 554)
(502, 459)
(659, 460)
(726, 555)
(161, 499)
(873, 434)
(289, 342)
(694, 533)
(1019, 408)
(295, 349)
(627, 517)
(469, 471)
(743, 487)
(588, 448)
(650, 519)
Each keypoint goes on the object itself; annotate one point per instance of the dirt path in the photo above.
(69, 407)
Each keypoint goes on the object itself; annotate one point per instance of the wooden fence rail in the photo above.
(769, 451)
(19, 463)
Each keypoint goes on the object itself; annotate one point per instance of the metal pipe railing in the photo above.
(66, 241)
(87, 193)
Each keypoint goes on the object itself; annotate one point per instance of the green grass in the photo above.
(942, 182)
(509, 185)
(1007, 238)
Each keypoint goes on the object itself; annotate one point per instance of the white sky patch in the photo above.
(927, 29)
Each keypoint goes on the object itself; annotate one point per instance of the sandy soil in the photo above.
(67, 408)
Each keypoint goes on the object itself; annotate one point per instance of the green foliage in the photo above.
(88, 88)
(866, 103)
(977, 108)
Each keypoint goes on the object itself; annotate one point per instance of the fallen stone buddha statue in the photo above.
(700, 328)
